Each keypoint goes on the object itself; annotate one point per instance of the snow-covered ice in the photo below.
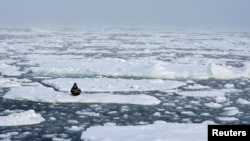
(230, 111)
(7, 83)
(227, 119)
(196, 74)
(22, 118)
(208, 93)
(88, 113)
(9, 70)
(243, 101)
(220, 99)
(44, 94)
(110, 84)
(75, 129)
(7, 136)
(197, 87)
(213, 105)
(158, 131)
(132, 68)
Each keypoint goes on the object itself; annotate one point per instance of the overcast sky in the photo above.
(221, 12)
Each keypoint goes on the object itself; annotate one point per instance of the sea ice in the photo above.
(7, 136)
(158, 131)
(60, 139)
(207, 93)
(9, 70)
(94, 114)
(190, 113)
(75, 129)
(220, 99)
(22, 118)
(45, 94)
(243, 101)
(110, 84)
(230, 111)
(227, 119)
(7, 83)
(72, 122)
(196, 87)
(131, 68)
(213, 105)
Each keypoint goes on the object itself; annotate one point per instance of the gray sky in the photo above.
(221, 12)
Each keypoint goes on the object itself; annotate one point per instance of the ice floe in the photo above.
(213, 105)
(7, 136)
(7, 83)
(243, 101)
(230, 111)
(208, 93)
(84, 113)
(9, 70)
(221, 99)
(75, 129)
(227, 119)
(132, 68)
(21, 118)
(159, 130)
(196, 87)
(109, 84)
(44, 94)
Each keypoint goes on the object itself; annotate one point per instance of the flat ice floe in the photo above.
(243, 101)
(6, 83)
(44, 94)
(132, 68)
(9, 70)
(159, 130)
(22, 118)
(109, 84)
(208, 93)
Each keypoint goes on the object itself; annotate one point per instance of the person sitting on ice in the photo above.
(75, 90)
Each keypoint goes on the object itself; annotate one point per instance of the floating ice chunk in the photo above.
(190, 113)
(9, 70)
(75, 129)
(60, 139)
(213, 105)
(205, 114)
(109, 84)
(7, 83)
(52, 118)
(208, 93)
(49, 135)
(227, 119)
(229, 86)
(23, 118)
(27, 133)
(221, 99)
(157, 114)
(112, 112)
(7, 136)
(195, 102)
(197, 86)
(72, 122)
(44, 94)
(230, 111)
(12, 111)
(243, 101)
(88, 113)
(159, 130)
